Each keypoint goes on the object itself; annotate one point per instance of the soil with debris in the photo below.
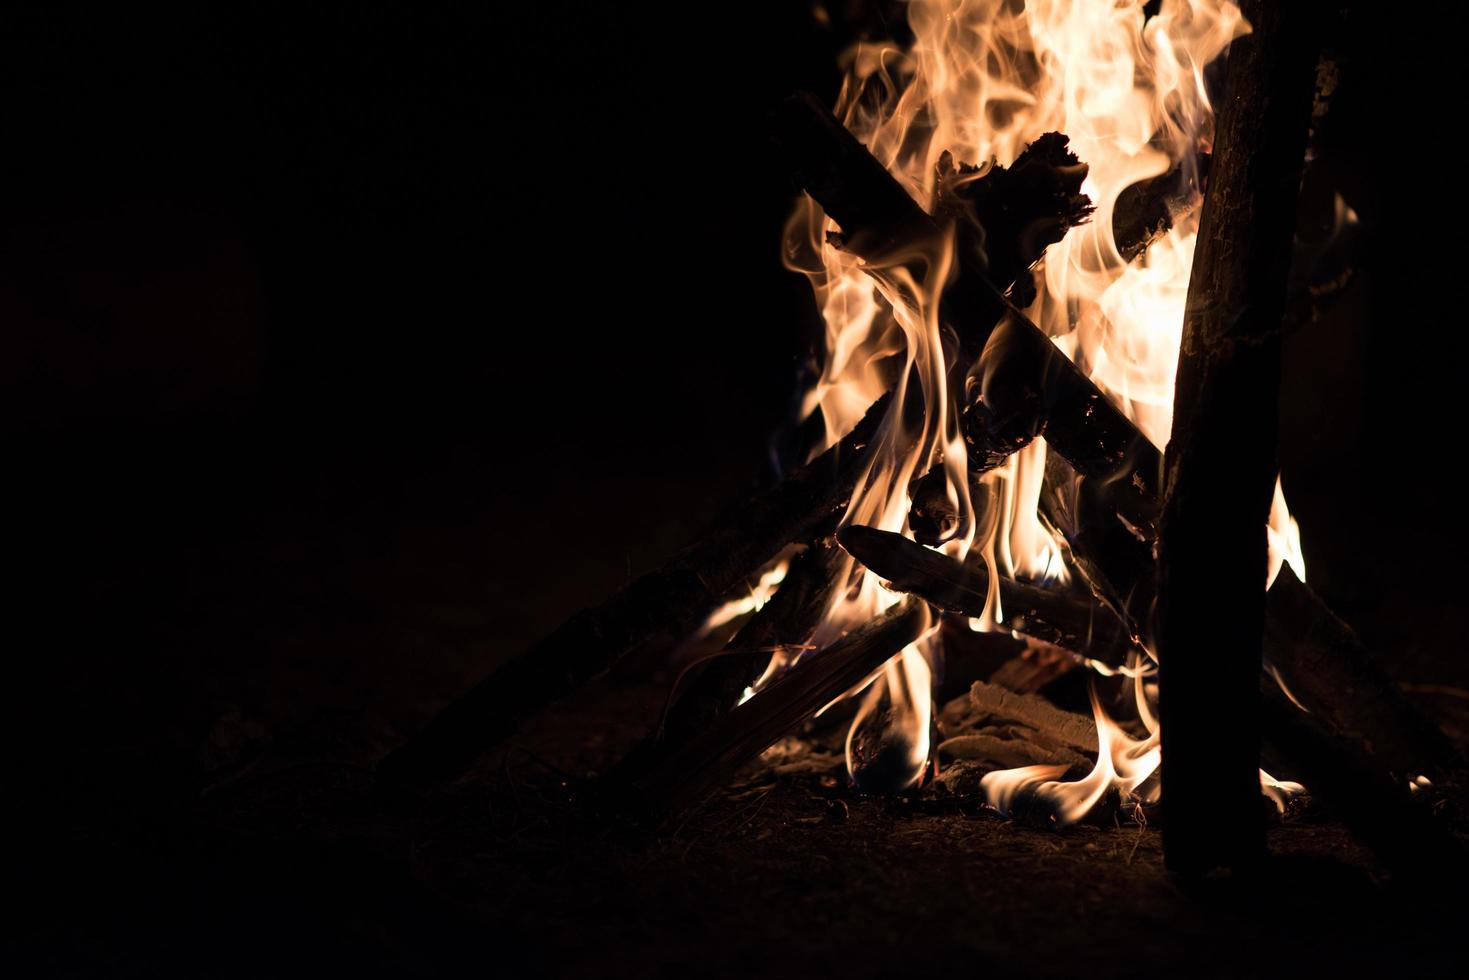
(196, 796)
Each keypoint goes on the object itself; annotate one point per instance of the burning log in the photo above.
(1006, 217)
(683, 775)
(656, 609)
(880, 221)
(1220, 465)
(710, 689)
(1075, 623)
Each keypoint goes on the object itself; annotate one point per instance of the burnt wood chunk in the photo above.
(1006, 217)
(1145, 211)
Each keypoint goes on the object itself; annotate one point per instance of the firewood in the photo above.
(1006, 217)
(881, 222)
(1379, 809)
(1039, 665)
(1009, 752)
(738, 737)
(1004, 221)
(657, 608)
(1220, 467)
(710, 689)
(1325, 667)
(1072, 621)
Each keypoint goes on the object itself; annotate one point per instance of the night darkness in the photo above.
(347, 349)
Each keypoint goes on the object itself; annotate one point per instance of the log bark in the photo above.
(711, 757)
(658, 608)
(1073, 622)
(1220, 467)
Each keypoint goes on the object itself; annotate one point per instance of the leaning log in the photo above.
(1379, 809)
(710, 689)
(708, 759)
(1220, 467)
(658, 608)
(1072, 622)
(1326, 667)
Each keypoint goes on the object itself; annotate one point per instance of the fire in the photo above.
(981, 80)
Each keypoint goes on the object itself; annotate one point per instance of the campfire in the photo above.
(1053, 245)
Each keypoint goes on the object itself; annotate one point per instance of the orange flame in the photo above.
(982, 79)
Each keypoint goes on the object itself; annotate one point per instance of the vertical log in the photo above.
(1220, 465)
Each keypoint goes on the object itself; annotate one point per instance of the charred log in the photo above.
(1072, 622)
(709, 690)
(880, 221)
(656, 609)
(1006, 217)
(713, 755)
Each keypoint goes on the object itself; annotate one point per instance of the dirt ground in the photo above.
(196, 798)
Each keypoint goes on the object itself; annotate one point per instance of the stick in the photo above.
(1075, 623)
(737, 738)
(656, 609)
(1220, 465)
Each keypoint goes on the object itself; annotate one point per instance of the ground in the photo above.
(207, 805)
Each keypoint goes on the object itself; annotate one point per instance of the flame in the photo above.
(1123, 764)
(758, 595)
(981, 80)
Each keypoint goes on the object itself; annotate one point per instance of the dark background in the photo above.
(347, 348)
